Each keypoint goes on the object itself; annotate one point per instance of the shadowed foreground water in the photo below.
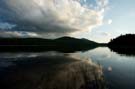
(49, 71)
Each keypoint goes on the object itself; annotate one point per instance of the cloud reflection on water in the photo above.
(52, 71)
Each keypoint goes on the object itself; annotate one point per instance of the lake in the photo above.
(98, 68)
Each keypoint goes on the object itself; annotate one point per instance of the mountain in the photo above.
(63, 44)
(69, 41)
(44, 42)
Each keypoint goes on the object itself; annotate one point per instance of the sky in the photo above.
(97, 20)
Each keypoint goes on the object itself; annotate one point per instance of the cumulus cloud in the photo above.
(55, 17)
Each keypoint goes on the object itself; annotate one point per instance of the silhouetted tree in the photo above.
(123, 41)
(124, 44)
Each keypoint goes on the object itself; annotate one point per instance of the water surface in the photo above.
(78, 70)
(122, 73)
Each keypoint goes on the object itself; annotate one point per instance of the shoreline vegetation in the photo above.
(63, 44)
(121, 41)
(121, 44)
(124, 44)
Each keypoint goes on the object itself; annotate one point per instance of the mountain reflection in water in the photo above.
(49, 71)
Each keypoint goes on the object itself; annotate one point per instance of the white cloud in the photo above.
(58, 16)
(109, 21)
(103, 3)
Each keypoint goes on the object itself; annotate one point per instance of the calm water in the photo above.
(67, 70)
(122, 75)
